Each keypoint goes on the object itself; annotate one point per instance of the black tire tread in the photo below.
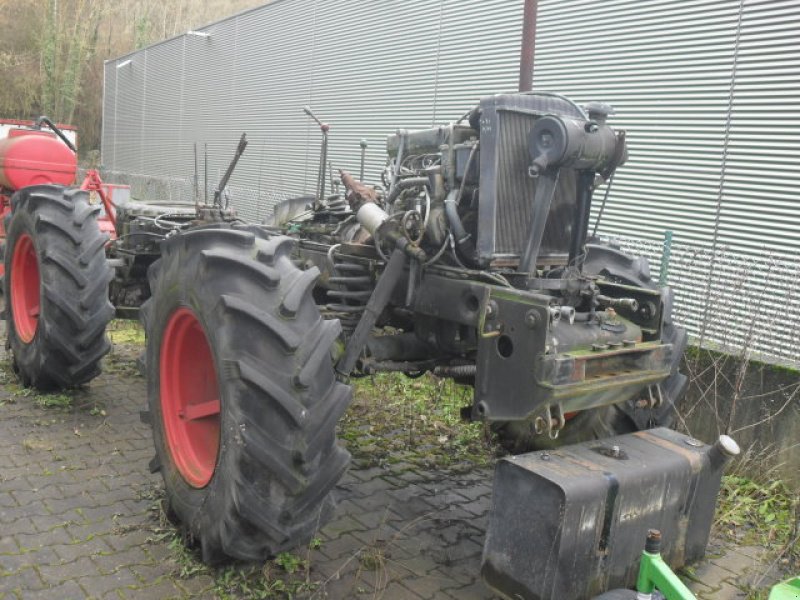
(70, 341)
(271, 488)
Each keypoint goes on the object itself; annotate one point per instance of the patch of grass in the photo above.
(35, 445)
(62, 401)
(760, 514)
(285, 577)
(72, 400)
(126, 332)
(128, 341)
(418, 421)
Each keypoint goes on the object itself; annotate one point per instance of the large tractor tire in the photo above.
(56, 287)
(607, 421)
(242, 395)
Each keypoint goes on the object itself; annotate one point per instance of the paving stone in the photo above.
(57, 535)
(474, 591)
(345, 524)
(397, 591)
(84, 511)
(17, 527)
(196, 585)
(65, 591)
(100, 585)
(724, 591)
(425, 587)
(161, 590)
(710, 575)
(58, 573)
(8, 545)
(459, 575)
(741, 560)
(32, 558)
(342, 547)
(25, 581)
(114, 561)
(417, 565)
(375, 518)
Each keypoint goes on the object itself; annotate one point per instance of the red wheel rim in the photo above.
(190, 404)
(25, 293)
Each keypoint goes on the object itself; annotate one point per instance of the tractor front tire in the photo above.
(242, 395)
(56, 287)
(607, 421)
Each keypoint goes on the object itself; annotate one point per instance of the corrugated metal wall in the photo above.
(366, 68)
(706, 89)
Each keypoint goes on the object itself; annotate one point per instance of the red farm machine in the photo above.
(471, 260)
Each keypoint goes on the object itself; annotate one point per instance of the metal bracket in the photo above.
(549, 423)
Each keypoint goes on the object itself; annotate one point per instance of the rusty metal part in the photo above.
(455, 371)
(358, 193)
(528, 49)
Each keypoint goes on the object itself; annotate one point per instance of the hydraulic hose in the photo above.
(462, 238)
(56, 130)
(404, 184)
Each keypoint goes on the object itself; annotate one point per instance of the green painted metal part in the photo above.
(787, 590)
(654, 574)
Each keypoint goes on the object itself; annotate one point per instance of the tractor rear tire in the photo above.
(56, 287)
(242, 395)
(608, 421)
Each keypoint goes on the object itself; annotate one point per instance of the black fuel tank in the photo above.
(568, 524)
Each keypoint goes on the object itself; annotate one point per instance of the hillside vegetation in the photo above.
(52, 51)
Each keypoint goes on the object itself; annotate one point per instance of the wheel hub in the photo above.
(25, 290)
(190, 400)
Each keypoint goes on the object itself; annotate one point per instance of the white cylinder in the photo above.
(371, 216)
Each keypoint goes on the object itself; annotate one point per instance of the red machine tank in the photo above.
(30, 157)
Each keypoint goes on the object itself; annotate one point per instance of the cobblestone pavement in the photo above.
(78, 507)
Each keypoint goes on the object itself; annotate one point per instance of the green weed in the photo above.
(126, 332)
(62, 401)
(752, 513)
(285, 577)
(394, 419)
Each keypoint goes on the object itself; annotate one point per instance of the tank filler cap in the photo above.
(598, 111)
(728, 446)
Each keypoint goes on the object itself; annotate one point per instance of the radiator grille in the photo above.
(506, 187)
(515, 193)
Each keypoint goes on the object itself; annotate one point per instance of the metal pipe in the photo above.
(451, 203)
(323, 156)
(528, 49)
(404, 184)
(401, 133)
(363, 144)
(580, 222)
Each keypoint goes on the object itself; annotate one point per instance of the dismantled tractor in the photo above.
(471, 260)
